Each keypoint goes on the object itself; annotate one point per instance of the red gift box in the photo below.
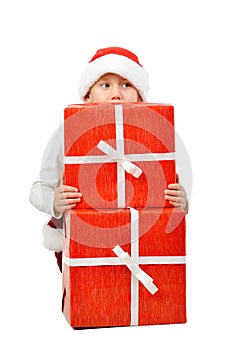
(120, 155)
(124, 267)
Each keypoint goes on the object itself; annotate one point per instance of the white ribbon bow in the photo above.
(142, 276)
(128, 166)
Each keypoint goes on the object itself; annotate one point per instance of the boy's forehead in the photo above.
(108, 76)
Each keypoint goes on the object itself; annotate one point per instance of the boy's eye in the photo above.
(105, 85)
(126, 84)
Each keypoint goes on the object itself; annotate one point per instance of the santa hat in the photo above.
(118, 61)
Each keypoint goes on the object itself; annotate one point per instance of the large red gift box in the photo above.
(120, 155)
(124, 267)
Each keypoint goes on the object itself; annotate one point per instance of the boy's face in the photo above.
(112, 88)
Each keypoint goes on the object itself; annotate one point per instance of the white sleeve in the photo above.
(42, 191)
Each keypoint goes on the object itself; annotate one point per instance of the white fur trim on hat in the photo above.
(52, 238)
(117, 64)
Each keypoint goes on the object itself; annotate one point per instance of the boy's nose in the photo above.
(116, 97)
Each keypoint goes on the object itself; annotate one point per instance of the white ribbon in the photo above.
(128, 166)
(121, 150)
(142, 276)
(146, 157)
(112, 261)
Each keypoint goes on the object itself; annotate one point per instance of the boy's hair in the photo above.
(118, 61)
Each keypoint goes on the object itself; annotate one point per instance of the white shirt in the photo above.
(42, 191)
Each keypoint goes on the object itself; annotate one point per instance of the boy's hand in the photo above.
(65, 198)
(176, 195)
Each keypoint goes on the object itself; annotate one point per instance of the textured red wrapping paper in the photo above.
(101, 296)
(147, 129)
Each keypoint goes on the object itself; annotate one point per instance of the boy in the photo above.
(113, 75)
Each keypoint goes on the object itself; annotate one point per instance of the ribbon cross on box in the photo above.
(131, 262)
(125, 162)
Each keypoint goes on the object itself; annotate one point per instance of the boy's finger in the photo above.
(66, 188)
(72, 195)
(62, 178)
(175, 193)
(176, 186)
(69, 201)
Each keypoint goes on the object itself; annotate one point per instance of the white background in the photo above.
(187, 48)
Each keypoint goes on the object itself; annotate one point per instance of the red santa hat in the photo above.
(118, 61)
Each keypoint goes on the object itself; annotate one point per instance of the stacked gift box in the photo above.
(124, 245)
